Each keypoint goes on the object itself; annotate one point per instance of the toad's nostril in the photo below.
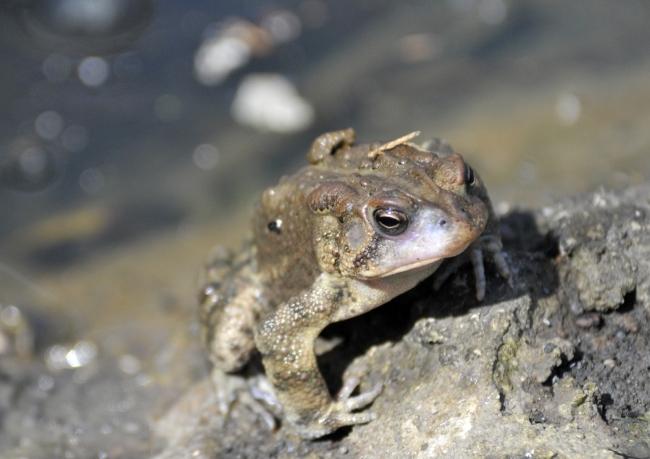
(443, 222)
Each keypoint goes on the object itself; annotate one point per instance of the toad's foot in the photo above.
(474, 253)
(339, 413)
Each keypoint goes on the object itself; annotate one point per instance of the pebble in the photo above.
(588, 320)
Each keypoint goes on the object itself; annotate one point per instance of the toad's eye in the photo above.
(391, 222)
(470, 179)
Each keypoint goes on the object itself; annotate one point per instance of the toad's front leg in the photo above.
(286, 341)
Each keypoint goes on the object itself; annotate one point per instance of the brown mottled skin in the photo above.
(340, 237)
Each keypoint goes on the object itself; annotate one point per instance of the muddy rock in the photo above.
(556, 365)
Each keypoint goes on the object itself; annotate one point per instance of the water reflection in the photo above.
(100, 25)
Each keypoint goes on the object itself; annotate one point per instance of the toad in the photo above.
(357, 227)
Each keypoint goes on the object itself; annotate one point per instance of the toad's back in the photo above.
(293, 238)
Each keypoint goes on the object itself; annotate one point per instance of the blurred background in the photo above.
(119, 118)
(135, 135)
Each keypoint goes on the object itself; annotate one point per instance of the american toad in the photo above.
(354, 229)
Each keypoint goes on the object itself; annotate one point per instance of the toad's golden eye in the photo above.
(470, 179)
(390, 222)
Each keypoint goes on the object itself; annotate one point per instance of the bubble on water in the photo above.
(282, 25)
(206, 156)
(93, 71)
(32, 161)
(28, 166)
(48, 125)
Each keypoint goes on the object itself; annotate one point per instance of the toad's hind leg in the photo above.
(229, 308)
(228, 329)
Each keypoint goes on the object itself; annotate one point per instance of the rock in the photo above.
(519, 375)
(602, 238)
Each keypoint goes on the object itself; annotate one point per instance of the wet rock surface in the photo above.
(555, 365)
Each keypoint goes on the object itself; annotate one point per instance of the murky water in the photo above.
(132, 139)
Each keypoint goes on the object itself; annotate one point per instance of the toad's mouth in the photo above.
(414, 267)
(428, 263)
